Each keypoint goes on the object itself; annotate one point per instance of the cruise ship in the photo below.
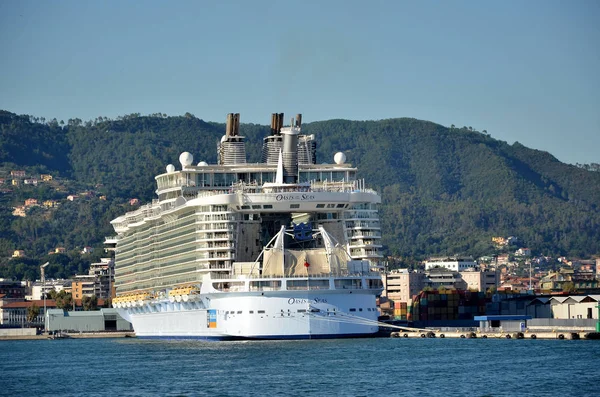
(282, 249)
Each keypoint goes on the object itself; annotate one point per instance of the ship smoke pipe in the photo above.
(273, 123)
(236, 124)
(279, 123)
(290, 153)
(228, 126)
(298, 120)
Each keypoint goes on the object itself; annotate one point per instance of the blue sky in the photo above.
(525, 71)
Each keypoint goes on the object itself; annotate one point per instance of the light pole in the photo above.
(44, 292)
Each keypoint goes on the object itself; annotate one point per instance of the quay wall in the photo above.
(11, 332)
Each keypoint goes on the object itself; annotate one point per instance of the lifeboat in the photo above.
(142, 299)
(184, 294)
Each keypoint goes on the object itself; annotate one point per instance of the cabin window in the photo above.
(261, 312)
(341, 205)
(256, 207)
(267, 206)
(352, 309)
(320, 205)
(294, 205)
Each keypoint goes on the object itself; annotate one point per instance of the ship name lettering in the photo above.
(300, 301)
(288, 197)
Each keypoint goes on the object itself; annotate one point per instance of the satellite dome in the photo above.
(202, 164)
(170, 168)
(223, 138)
(339, 158)
(186, 159)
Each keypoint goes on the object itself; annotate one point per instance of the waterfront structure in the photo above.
(498, 323)
(575, 306)
(12, 290)
(287, 248)
(484, 280)
(14, 313)
(87, 321)
(402, 285)
(457, 264)
(99, 281)
(39, 288)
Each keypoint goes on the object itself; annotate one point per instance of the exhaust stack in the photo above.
(231, 149)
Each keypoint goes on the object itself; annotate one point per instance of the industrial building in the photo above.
(87, 321)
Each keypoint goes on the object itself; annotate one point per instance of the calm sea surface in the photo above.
(351, 367)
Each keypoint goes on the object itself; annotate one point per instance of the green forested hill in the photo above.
(445, 190)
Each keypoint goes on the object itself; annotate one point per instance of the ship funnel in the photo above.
(298, 120)
(228, 124)
(290, 153)
(231, 149)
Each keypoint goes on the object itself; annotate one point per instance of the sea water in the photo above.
(346, 367)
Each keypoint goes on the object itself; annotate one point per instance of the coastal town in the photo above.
(448, 292)
(440, 291)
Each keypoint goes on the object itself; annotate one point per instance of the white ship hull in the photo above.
(267, 315)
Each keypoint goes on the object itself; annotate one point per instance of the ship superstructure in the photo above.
(286, 248)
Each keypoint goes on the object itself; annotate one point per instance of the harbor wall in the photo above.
(17, 332)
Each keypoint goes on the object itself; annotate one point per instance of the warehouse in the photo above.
(86, 321)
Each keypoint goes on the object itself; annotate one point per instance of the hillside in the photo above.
(445, 190)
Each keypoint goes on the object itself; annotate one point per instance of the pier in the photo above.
(558, 335)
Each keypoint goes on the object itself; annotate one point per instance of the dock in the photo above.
(69, 335)
(558, 335)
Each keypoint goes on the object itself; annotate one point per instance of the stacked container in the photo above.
(447, 305)
(400, 310)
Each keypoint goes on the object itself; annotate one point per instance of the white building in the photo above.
(38, 288)
(575, 307)
(456, 264)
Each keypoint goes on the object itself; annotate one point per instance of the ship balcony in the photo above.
(363, 225)
(364, 244)
(216, 256)
(364, 253)
(113, 240)
(216, 228)
(364, 235)
(220, 248)
(359, 216)
(220, 267)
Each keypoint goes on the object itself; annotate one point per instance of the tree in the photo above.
(107, 302)
(89, 303)
(64, 300)
(568, 287)
(32, 312)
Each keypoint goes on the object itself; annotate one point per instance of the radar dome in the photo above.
(202, 164)
(186, 159)
(223, 138)
(170, 168)
(339, 158)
